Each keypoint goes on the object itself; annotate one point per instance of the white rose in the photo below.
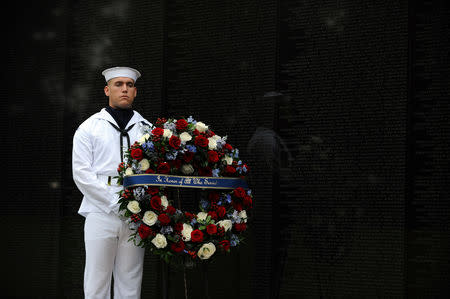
(202, 216)
(144, 138)
(243, 215)
(185, 137)
(144, 164)
(164, 201)
(133, 206)
(226, 224)
(129, 171)
(206, 251)
(201, 127)
(167, 133)
(216, 137)
(186, 232)
(150, 218)
(159, 241)
(212, 144)
(228, 159)
(187, 169)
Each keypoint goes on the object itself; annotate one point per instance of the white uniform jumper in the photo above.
(96, 156)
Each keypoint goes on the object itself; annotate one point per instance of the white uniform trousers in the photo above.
(108, 252)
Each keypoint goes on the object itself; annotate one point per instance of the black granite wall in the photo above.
(339, 107)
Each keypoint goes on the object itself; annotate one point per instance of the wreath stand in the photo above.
(166, 270)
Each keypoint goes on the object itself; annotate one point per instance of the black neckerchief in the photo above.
(122, 117)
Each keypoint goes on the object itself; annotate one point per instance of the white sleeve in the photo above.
(85, 178)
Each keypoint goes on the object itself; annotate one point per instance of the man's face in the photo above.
(121, 92)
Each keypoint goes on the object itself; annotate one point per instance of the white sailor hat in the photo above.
(121, 71)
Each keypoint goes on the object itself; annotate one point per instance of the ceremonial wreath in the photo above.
(184, 153)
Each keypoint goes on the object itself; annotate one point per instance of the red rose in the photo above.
(210, 133)
(175, 142)
(149, 170)
(178, 246)
(175, 163)
(221, 211)
(240, 227)
(239, 192)
(178, 227)
(188, 215)
(214, 206)
(126, 193)
(153, 190)
(155, 202)
(136, 154)
(188, 156)
(196, 132)
(196, 235)
(158, 132)
(213, 157)
(163, 168)
(213, 196)
(164, 219)
(225, 244)
(160, 121)
(248, 201)
(211, 229)
(205, 171)
(213, 215)
(171, 210)
(230, 169)
(220, 231)
(228, 147)
(237, 206)
(144, 231)
(121, 167)
(181, 124)
(201, 141)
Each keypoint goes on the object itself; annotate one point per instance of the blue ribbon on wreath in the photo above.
(183, 181)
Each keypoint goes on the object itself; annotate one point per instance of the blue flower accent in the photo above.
(170, 126)
(148, 146)
(191, 148)
(228, 199)
(172, 155)
(220, 145)
(191, 120)
(236, 153)
(244, 169)
(234, 240)
(249, 192)
(166, 230)
(194, 221)
(204, 204)
(139, 193)
(215, 172)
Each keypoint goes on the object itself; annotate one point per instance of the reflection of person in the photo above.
(97, 152)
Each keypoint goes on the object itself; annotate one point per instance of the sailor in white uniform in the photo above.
(98, 146)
